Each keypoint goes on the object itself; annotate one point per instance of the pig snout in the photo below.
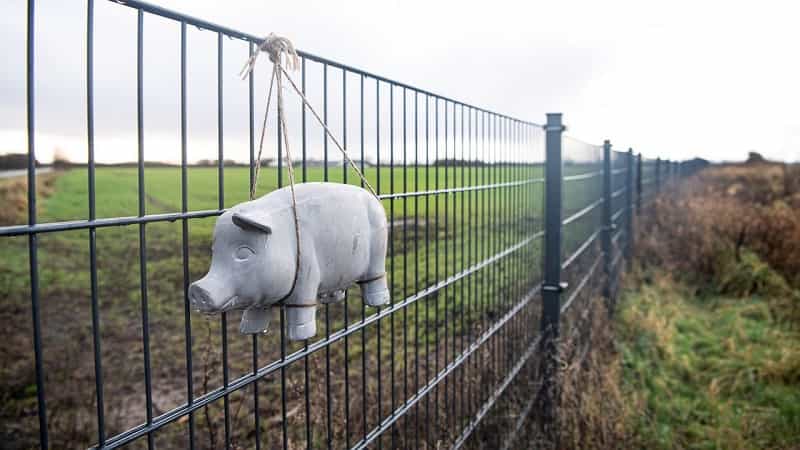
(200, 298)
(204, 301)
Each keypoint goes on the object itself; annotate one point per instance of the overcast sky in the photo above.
(674, 79)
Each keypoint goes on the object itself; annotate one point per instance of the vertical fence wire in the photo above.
(33, 251)
(148, 388)
(97, 348)
(255, 365)
(185, 233)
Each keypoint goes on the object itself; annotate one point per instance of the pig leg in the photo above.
(301, 308)
(375, 292)
(301, 322)
(374, 288)
(255, 320)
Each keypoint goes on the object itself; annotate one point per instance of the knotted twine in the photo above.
(280, 49)
(282, 53)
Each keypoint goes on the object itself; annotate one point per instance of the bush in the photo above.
(730, 230)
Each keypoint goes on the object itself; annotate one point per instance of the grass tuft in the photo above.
(708, 372)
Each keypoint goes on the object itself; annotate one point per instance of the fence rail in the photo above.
(488, 214)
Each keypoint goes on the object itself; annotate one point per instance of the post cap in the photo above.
(554, 122)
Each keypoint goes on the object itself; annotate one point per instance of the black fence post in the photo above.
(552, 288)
(672, 171)
(658, 175)
(669, 172)
(608, 227)
(629, 209)
(638, 184)
(675, 171)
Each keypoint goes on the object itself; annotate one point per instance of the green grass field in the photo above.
(117, 188)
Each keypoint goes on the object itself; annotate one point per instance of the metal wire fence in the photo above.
(499, 229)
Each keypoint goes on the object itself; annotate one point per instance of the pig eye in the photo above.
(243, 252)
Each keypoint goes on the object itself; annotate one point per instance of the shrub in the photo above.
(730, 230)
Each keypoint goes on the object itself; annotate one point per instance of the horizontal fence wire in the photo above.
(463, 190)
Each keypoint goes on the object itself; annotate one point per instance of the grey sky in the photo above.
(676, 79)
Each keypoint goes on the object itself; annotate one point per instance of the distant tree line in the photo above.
(479, 163)
(15, 161)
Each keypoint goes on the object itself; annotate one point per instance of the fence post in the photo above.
(638, 184)
(658, 175)
(552, 287)
(669, 172)
(608, 227)
(629, 208)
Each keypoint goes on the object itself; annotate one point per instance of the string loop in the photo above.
(282, 53)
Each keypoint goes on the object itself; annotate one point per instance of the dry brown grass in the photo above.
(593, 413)
(14, 192)
(734, 229)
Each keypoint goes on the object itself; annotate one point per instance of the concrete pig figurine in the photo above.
(254, 256)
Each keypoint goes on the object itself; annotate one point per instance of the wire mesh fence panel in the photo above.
(620, 204)
(100, 258)
(582, 219)
(582, 228)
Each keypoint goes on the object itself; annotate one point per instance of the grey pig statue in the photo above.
(254, 264)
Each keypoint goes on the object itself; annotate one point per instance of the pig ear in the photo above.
(248, 223)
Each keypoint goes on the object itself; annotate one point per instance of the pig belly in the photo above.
(343, 250)
(343, 262)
